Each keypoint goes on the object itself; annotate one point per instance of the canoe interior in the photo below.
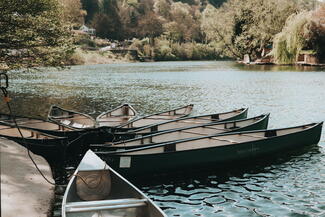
(117, 116)
(160, 117)
(190, 121)
(214, 141)
(34, 123)
(10, 131)
(120, 190)
(119, 193)
(201, 130)
(70, 118)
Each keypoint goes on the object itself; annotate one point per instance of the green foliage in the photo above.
(107, 21)
(92, 7)
(303, 31)
(234, 27)
(315, 32)
(288, 43)
(183, 24)
(246, 27)
(138, 45)
(84, 41)
(151, 26)
(33, 34)
(165, 50)
(73, 13)
(76, 58)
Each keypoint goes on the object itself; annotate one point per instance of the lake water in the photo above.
(289, 186)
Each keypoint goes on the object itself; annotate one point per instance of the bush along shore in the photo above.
(90, 50)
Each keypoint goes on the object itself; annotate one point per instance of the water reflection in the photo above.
(292, 186)
(287, 186)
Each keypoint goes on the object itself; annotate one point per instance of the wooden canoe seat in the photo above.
(66, 122)
(77, 125)
(105, 204)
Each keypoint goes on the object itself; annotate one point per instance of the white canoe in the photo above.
(97, 190)
(70, 118)
(117, 116)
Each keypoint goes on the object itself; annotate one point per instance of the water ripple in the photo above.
(292, 186)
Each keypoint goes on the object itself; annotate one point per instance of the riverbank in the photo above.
(24, 192)
(92, 57)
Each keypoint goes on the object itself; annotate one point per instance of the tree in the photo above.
(73, 12)
(162, 8)
(303, 31)
(151, 26)
(106, 21)
(33, 34)
(246, 27)
(184, 24)
(91, 7)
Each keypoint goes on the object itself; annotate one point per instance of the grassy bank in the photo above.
(91, 57)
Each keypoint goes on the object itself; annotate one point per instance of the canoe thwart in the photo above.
(108, 207)
(83, 204)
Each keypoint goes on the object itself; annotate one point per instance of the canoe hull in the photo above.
(214, 157)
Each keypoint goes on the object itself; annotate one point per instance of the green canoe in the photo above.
(214, 128)
(210, 151)
(195, 120)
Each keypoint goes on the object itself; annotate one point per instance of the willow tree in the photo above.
(32, 34)
(246, 27)
(303, 31)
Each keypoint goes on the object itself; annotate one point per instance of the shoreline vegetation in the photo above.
(76, 32)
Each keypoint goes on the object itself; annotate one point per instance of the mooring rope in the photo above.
(3, 87)
(7, 100)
